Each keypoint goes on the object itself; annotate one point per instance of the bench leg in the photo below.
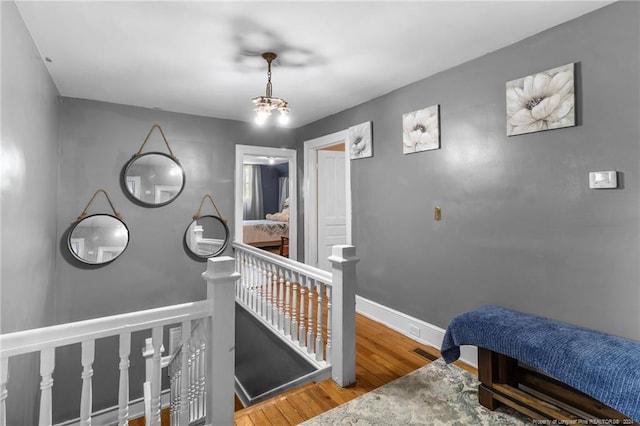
(486, 399)
(493, 368)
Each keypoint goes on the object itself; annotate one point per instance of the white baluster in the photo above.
(267, 294)
(172, 390)
(263, 289)
(156, 341)
(239, 255)
(243, 275)
(201, 380)
(319, 325)
(47, 364)
(281, 300)
(123, 392)
(274, 296)
(302, 330)
(294, 311)
(310, 336)
(256, 289)
(88, 354)
(287, 304)
(4, 379)
(196, 381)
(191, 381)
(328, 356)
(183, 405)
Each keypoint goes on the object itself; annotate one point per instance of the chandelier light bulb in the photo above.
(267, 103)
(261, 118)
(283, 119)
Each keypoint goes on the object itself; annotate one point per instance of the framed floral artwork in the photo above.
(421, 130)
(359, 141)
(541, 101)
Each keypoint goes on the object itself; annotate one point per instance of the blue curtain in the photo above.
(253, 207)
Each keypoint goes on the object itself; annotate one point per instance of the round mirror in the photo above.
(153, 179)
(98, 239)
(206, 236)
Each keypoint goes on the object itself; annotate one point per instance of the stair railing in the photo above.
(216, 312)
(187, 376)
(312, 310)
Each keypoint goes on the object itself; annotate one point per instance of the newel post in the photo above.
(221, 277)
(343, 315)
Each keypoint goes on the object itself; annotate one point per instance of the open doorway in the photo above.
(327, 212)
(266, 199)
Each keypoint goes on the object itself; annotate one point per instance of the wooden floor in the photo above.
(382, 355)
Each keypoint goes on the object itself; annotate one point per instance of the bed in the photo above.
(264, 233)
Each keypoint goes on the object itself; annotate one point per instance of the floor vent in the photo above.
(424, 354)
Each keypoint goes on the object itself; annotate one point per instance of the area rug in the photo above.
(436, 394)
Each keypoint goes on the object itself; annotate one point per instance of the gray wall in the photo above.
(30, 108)
(520, 226)
(97, 139)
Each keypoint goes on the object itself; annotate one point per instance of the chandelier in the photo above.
(267, 103)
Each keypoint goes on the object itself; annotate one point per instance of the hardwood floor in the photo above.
(382, 355)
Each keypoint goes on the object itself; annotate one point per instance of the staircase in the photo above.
(309, 310)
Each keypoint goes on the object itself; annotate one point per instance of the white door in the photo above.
(332, 208)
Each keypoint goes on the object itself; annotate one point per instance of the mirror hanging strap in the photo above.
(84, 212)
(198, 215)
(155, 126)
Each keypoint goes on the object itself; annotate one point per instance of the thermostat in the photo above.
(605, 179)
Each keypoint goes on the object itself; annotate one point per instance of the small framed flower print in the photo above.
(541, 101)
(359, 141)
(421, 130)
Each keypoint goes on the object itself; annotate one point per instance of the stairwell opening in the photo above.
(265, 365)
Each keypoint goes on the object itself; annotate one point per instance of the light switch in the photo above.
(603, 179)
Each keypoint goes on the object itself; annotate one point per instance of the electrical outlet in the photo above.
(414, 330)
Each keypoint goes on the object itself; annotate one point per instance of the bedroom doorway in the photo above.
(266, 198)
(327, 209)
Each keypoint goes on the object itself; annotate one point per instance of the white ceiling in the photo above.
(204, 57)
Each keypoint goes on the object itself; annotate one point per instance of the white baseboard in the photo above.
(109, 416)
(414, 328)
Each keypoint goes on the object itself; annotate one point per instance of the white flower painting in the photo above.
(541, 101)
(421, 130)
(359, 141)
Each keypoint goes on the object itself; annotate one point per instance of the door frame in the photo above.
(310, 189)
(290, 155)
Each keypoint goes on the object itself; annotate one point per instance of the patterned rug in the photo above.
(436, 394)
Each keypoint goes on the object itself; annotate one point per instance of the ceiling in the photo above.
(203, 57)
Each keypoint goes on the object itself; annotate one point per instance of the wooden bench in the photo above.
(503, 380)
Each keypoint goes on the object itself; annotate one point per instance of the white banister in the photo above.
(66, 334)
(45, 340)
(47, 364)
(221, 277)
(4, 379)
(88, 355)
(343, 264)
(123, 387)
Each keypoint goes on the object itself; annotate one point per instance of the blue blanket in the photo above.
(603, 366)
